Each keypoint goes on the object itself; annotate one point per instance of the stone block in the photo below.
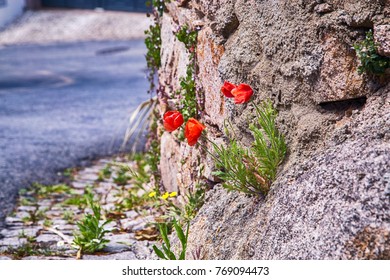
(338, 78)
(209, 54)
(174, 57)
(169, 162)
(382, 38)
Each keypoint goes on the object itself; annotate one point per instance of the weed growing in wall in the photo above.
(247, 169)
(158, 5)
(153, 54)
(187, 95)
(252, 169)
(153, 155)
(370, 61)
(153, 41)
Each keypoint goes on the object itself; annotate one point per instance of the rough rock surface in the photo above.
(331, 205)
(331, 197)
(382, 38)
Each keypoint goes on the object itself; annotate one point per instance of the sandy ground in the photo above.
(55, 26)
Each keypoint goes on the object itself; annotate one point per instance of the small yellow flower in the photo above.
(152, 194)
(165, 196)
(173, 194)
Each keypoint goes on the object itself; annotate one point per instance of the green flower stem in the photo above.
(233, 178)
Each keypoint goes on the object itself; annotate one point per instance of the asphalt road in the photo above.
(62, 106)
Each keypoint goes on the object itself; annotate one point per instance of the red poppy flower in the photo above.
(242, 93)
(173, 120)
(193, 130)
(227, 88)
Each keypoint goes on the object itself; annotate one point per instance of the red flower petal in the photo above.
(227, 88)
(242, 93)
(193, 130)
(172, 120)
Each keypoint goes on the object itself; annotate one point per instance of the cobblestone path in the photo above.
(43, 222)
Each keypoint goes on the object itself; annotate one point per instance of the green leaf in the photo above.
(180, 233)
(159, 253)
(164, 234)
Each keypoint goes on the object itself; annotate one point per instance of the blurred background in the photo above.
(71, 73)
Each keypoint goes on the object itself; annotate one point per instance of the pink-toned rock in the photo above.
(323, 8)
(208, 57)
(382, 38)
(170, 158)
(339, 79)
(174, 57)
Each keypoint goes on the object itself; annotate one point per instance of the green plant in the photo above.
(45, 191)
(185, 212)
(22, 234)
(28, 249)
(105, 173)
(121, 177)
(68, 216)
(91, 234)
(188, 104)
(27, 201)
(47, 223)
(130, 200)
(153, 54)
(23, 191)
(188, 38)
(166, 253)
(187, 95)
(141, 174)
(69, 172)
(370, 61)
(34, 216)
(159, 5)
(29, 238)
(76, 200)
(195, 200)
(251, 170)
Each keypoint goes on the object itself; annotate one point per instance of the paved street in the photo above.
(62, 105)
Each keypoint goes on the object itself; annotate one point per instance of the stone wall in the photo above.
(331, 197)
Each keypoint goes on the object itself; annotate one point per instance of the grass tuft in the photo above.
(252, 169)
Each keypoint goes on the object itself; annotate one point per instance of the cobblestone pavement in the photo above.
(43, 222)
(55, 26)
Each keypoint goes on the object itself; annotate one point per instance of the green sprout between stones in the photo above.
(187, 95)
(105, 173)
(68, 216)
(28, 249)
(153, 41)
(91, 233)
(69, 172)
(252, 169)
(121, 177)
(153, 154)
(43, 191)
(34, 216)
(153, 54)
(370, 61)
(158, 5)
(188, 38)
(166, 252)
